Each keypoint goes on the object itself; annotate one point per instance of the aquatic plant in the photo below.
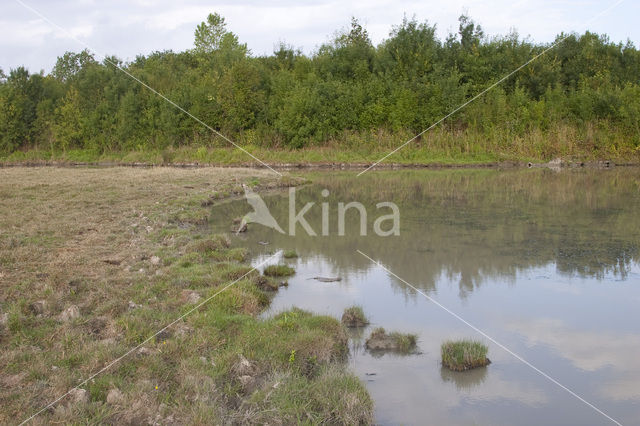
(464, 355)
(354, 316)
(395, 341)
(290, 254)
(278, 271)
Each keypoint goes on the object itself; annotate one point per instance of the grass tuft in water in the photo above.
(279, 271)
(464, 355)
(290, 254)
(380, 340)
(354, 317)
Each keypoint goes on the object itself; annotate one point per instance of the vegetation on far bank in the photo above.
(119, 253)
(464, 354)
(349, 101)
(592, 142)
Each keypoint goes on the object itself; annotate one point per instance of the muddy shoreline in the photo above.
(554, 164)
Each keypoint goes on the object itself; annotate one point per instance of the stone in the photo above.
(38, 307)
(246, 381)
(79, 396)
(183, 330)
(115, 396)
(71, 313)
(243, 367)
(146, 351)
(190, 296)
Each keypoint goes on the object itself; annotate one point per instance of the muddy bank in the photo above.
(334, 165)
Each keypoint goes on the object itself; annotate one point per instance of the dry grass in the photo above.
(381, 340)
(124, 249)
(354, 316)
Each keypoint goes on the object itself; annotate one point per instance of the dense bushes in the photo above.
(347, 86)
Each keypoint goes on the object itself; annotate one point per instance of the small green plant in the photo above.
(201, 153)
(290, 254)
(464, 355)
(292, 356)
(287, 320)
(354, 317)
(278, 271)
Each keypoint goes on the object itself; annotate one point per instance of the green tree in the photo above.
(209, 35)
(68, 126)
(212, 36)
(69, 65)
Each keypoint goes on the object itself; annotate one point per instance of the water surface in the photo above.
(546, 263)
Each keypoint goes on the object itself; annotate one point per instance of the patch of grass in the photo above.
(188, 260)
(354, 317)
(290, 254)
(278, 271)
(265, 283)
(406, 342)
(93, 247)
(242, 298)
(380, 340)
(314, 401)
(237, 254)
(464, 354)
(212, 244)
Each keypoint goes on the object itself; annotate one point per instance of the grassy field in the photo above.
(93, 261)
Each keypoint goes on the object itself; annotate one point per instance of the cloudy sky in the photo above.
(126, 28)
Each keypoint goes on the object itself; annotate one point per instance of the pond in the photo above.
(546, 263)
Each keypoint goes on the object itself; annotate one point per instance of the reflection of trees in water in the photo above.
(464, 380)
(596, 260)
(473, 225)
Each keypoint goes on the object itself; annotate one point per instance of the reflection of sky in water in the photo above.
(555, 293)
(583, 340)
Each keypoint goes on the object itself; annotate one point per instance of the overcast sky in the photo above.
(125, 28)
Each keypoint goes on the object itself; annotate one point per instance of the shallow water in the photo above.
(544, 262)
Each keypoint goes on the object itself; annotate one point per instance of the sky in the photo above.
(126, 28)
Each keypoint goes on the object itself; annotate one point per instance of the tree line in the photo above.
(347, 86)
